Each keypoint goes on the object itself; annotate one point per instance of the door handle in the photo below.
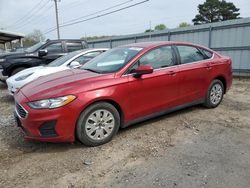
(171, 73)
(209, 67)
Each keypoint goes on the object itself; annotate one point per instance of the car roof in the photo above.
(92, 49)
(160, 43)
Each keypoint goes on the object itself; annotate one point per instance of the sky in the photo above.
(23, 16)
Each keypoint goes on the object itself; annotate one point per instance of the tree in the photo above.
(33, 38)
(184, 24)
(215, 11)
(160, 27)
(97, 37)
(148, 30)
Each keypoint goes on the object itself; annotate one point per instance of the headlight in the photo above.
(23, 77)
(2, 60)
(52, 103)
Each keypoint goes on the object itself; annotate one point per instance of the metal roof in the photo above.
(8, 36)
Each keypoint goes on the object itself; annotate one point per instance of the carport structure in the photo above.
(8, 37)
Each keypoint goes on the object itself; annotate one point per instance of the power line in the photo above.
(88, 15)
(26, 15)
(73, 4)
(98, 16)
(33, 18)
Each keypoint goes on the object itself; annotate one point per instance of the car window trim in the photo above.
(201, 61)
(155, 70)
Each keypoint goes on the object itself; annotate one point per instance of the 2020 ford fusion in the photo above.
(120, 87)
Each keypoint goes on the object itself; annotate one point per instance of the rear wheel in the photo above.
(214, 94)
(98, 124)
(17, 70)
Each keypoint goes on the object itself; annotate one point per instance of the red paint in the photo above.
(137, 97)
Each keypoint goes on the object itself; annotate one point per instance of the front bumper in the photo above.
(48, 125)
(2, 77)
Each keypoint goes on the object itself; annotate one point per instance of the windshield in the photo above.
(60, 61)
(34, 47)
(112, 60)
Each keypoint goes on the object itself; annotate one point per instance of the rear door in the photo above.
(194, 71)
(157, 91)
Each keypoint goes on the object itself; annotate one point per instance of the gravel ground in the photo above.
(194, 147)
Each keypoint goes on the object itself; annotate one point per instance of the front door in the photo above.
(157, 91)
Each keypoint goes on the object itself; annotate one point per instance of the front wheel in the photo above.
(214, 94)
(98, 124)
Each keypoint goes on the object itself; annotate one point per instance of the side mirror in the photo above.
(143, 69)
(42, 53)
(74, 64)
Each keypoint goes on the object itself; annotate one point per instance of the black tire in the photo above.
(208, 101)
(17, 70)
(81, 133)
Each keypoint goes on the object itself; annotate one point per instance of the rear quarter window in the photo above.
(206, 53)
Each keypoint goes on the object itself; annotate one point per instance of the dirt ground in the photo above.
(194, 147)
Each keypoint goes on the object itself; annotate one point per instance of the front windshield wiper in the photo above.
(91, 70)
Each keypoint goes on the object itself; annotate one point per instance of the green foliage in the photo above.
(96, 37)
(160, 27)
(184, 24)
(148, 30)
(215, 11)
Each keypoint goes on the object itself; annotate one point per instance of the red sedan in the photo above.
(123, 86)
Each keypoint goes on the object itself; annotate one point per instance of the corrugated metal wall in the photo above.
(231, 38)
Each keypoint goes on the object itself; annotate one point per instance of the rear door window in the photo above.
(189, 54)
(73, 46)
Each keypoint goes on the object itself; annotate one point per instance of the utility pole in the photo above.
(57, 21)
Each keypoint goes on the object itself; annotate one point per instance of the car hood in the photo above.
(36, 72)
(71, 81)
(26, 71)
(12, 55)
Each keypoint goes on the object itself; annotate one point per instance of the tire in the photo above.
(214, 94)
(92, 128)
(17, 70)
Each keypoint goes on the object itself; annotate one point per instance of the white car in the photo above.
(72, 60)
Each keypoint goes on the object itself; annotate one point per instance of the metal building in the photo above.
(231, 38)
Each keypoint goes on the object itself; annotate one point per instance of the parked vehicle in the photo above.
(72, 60)
(123, 86)
(39, 54)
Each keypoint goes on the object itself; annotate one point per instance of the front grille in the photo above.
(21, 111)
